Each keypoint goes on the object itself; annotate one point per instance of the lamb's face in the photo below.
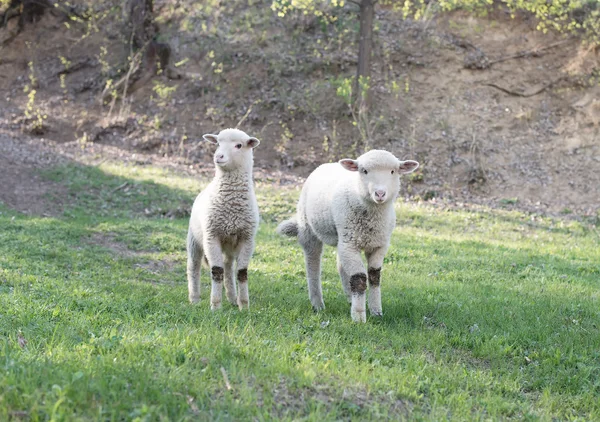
(379, 174)
(234, 149)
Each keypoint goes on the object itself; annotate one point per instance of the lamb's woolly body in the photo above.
(226, 209)
(331, 206)
(223, 223)
(336, 208)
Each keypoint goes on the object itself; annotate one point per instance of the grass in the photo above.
(487, 315)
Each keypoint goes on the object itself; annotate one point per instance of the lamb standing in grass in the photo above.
(224, 221)
(350, 205)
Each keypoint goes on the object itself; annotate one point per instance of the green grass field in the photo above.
(488, 315)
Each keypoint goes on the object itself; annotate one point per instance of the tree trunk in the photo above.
(147, 57)
(140, 27)
(365, 46)
(142, 32)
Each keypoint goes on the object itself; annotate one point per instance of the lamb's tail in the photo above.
(288, 228)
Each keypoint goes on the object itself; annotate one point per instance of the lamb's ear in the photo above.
(253, 142)
(407, 166)
(349, 164)
(210, 138)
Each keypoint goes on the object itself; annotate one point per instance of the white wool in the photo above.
(350, 205)
(224, 220)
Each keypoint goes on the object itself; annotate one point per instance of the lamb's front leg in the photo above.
(351, 262)
(243, 260)
(214, 256)
(375, 261)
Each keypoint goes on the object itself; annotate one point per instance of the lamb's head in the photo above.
(379, 174)
(234, 149)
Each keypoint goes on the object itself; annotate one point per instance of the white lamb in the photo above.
(350, 205)
(224, 221)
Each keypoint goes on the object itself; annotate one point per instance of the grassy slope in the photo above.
(486, 315)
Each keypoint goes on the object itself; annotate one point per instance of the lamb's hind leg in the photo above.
(230, 290)
(243, 260)
(194, 260)
(313, 249)
(214, 255)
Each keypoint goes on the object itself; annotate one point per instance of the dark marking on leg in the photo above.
(374, 276)
(242, 275)
(358, 283)
(217, 274)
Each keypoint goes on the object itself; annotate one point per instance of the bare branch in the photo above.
(528, 53)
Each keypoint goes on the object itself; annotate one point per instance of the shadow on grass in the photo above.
(95, 193)
(520, 321)
(496, 307)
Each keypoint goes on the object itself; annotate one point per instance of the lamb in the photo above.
(224, 221)
(350, 205)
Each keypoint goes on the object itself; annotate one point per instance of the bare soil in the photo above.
(497, 112)
(107, 240)
(21, 186)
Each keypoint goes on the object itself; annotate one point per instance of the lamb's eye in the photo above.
(392, 171)
(238, 146)
(365, 171)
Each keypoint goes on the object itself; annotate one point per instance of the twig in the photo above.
(528, 53)
(247, 114)
(126, 84)
(76, 67)
(8, 16)
(131, 54)
(427, 10)
(226, 378)
(461, 42)
(133, 67)
(527, 95)
(9, 39)
(120, 187)
(21, 340)
(104, 160)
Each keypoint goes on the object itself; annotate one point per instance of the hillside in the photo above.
(497, 112)
(490, 305)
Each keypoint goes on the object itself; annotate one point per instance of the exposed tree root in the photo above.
(525, 95)
(31, 11)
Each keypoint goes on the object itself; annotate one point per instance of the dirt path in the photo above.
(23, 160)
(21, 186)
